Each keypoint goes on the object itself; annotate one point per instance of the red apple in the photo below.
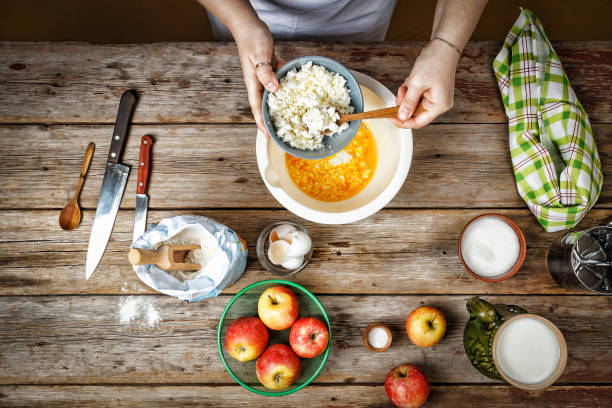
(425, 326)
(278, 307)
(278, 367)
(308, 337)
(406, 386)
(246, 338)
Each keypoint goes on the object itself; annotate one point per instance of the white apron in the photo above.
(325, 20)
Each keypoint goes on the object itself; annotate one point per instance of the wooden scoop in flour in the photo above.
(166, 257)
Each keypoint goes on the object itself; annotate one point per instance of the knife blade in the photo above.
(113, 185)
(142, 199)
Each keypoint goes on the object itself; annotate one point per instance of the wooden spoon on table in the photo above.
(70, 217)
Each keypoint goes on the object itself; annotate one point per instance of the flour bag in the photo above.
(222, 257)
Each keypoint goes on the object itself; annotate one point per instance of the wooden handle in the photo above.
(174, 248)
(375, 114)
(126, 108)
(87, 159)
(84, 167)
(164, 257)
(144, 164)
(143, 256)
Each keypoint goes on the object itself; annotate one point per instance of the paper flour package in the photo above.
(222, 257)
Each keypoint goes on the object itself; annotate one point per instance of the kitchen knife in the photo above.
(142, 199)
(113, 185)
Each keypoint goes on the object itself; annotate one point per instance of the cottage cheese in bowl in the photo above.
(301, 116)
(307, 105)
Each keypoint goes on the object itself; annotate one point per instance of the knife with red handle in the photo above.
(142, 199)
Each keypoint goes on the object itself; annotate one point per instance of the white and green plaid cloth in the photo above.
(554, 157)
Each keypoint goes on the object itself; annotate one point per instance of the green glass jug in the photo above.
(480, 330)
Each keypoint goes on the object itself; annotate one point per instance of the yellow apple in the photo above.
(277, 307)
(425, 326)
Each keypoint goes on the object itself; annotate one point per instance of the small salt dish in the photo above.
(366, 337)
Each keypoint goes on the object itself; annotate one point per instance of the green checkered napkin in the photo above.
(554, 157)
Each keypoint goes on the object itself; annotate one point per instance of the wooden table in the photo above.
(63, 341)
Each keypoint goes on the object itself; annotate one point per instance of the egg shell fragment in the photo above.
(281, 232)
(293, 263)
(300, 244)
(277, 252)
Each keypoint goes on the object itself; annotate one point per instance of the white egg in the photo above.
(281, 232)
(277, 252)
(300, 244)
(293, 263)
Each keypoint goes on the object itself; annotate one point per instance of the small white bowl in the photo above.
(394, 158)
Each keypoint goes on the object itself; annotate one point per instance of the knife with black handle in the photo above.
(113, 185)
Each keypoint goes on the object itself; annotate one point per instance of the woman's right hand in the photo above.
(256, 51)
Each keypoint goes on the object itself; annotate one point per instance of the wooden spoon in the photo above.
(167, 257)
(375, 114)
(388, 113)
(70, 217)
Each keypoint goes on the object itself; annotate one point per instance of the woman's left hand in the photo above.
(429, 90)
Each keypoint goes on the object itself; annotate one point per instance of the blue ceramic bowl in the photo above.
(332, 144)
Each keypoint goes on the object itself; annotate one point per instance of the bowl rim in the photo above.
(522, 249)
(290, 65)
(357, 214)
(325, 354)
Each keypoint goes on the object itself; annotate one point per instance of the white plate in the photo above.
(394, 158)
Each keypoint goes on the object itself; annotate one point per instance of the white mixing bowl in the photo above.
(394, 157)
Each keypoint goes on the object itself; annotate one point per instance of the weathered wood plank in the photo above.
(86, 340)
(453, 166)
(395, 251)
(443, 396)
(202, 82)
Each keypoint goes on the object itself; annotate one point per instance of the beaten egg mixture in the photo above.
(340, 176)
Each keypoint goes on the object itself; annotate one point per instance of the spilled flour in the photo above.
(138, 309)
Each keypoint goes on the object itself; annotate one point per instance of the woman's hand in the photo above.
(429, 90)
(256, 51)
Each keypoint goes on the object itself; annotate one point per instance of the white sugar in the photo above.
(490, 247)
(378, 338)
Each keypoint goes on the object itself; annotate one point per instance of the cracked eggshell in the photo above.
(300, 244)
(292, 263)
(277, 252)
(281, 232)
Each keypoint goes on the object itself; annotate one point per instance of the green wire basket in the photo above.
(245, 304)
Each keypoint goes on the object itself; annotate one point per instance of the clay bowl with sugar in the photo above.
(332, 144)
(520, 258)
